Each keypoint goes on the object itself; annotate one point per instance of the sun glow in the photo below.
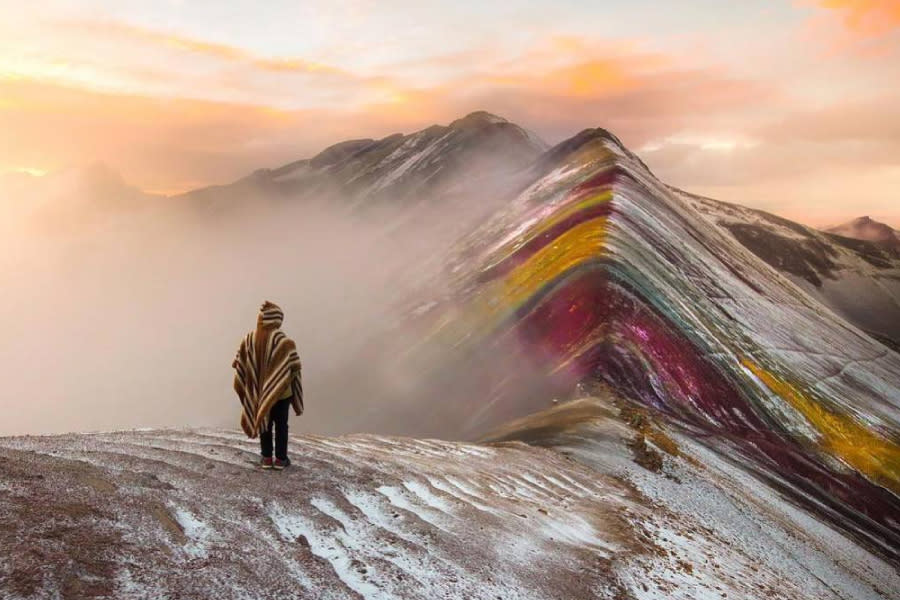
(33, 171)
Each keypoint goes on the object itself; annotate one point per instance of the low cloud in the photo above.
(125, 311)
(159, 145)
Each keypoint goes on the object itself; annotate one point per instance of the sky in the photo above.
(792, 106)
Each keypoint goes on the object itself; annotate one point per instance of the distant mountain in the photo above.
(859, 279)
(73, 198)
(864, 228)
(472, 155)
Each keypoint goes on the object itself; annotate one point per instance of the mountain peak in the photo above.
(479, 118)
(340, 151)
(866, 228)
(582, 142)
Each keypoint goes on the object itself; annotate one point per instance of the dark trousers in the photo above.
(278, 417)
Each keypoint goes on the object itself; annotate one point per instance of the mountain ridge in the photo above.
(431, 162)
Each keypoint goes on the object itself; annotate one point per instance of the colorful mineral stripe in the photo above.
(613, 281)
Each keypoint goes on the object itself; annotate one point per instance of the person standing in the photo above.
(268, 383)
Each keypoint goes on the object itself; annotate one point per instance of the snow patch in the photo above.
(293, 525)
(196, 530)
(399, 498)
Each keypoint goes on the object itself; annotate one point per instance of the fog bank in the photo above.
(126, 311)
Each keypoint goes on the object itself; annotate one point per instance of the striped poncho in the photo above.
(266, 364)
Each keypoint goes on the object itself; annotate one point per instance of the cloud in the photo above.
(817, 167)
(864, 30)
(866, 17)
(564, 85)
(820, 198)
(804, 142)
(158, 144)
(695, 164)
(222, 52)
(876, 118)
(177, 143)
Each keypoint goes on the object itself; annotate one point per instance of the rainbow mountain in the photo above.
(598, 274)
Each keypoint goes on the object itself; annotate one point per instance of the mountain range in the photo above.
(473, 158)
(663, 395)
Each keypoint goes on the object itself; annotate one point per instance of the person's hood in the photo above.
(270, 316)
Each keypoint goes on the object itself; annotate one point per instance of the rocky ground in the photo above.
(600, 503)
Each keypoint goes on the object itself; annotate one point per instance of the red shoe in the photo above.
(266, 462)
(281, 464)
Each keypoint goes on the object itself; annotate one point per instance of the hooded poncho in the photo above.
(266, 365)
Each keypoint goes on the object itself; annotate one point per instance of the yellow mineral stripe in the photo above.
(504, 252)
(863, 449)
(566, 212)
(499, 298)
(577, 245)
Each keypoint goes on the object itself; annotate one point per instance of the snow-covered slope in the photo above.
(858, 278)
(187, 514)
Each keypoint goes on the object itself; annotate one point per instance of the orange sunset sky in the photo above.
(792, 106)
